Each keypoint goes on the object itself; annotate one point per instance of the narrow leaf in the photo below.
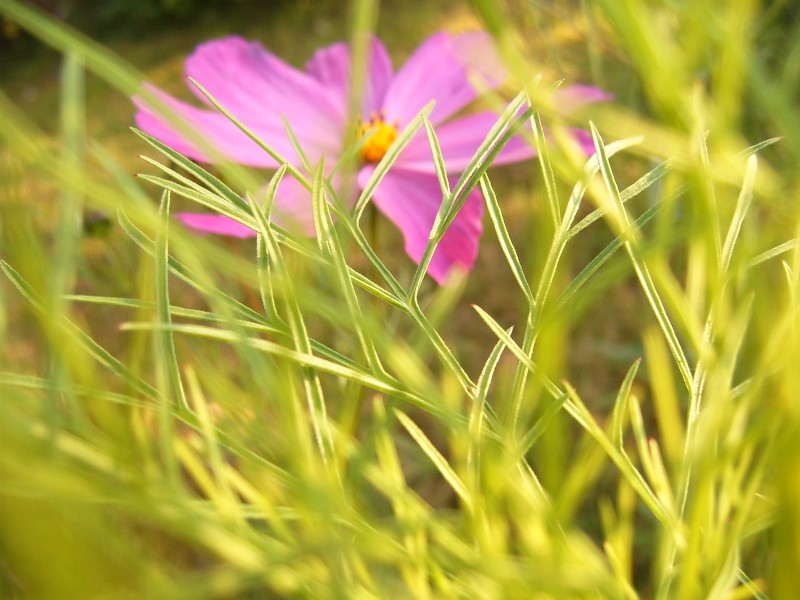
(436, 457)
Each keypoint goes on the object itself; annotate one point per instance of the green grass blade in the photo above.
(772, 253)
(331, 245)
(436, 232)
(438, 157)
(543, 421)
(515, 349)
(383, 383)
(296, 326)
(209, 181)
(504, 239)
(575, 408)
(477, 417)
(549, 270)
(631, 191)
(578, 410)
(632, 245)
(166, 344)
(167, 370)
(501, 132)
(215, 318)
(598, 261)
(436, 457)
(548, 176)
(742, 206)
(203, 198)
(263, 217)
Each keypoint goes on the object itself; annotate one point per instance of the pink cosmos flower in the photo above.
(260, 90)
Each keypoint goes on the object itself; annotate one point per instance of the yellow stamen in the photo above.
(381, 136)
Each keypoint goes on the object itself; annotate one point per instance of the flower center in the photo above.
(381, 136)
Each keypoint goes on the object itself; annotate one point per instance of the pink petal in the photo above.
(410, 200)
(331, 66)
(379, 76)
(573, 97)
(459, 139)
(212, 127)
(584, 139)
(258, 89)
(442, 69)
(212, 223)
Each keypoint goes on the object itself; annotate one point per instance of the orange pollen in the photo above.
(381, 136)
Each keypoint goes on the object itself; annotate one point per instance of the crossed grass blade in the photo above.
(331, 245)
(616, 211)
(192, 168)
(575, 408)
(444, 207)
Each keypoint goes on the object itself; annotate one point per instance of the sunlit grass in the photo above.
(606, 407)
